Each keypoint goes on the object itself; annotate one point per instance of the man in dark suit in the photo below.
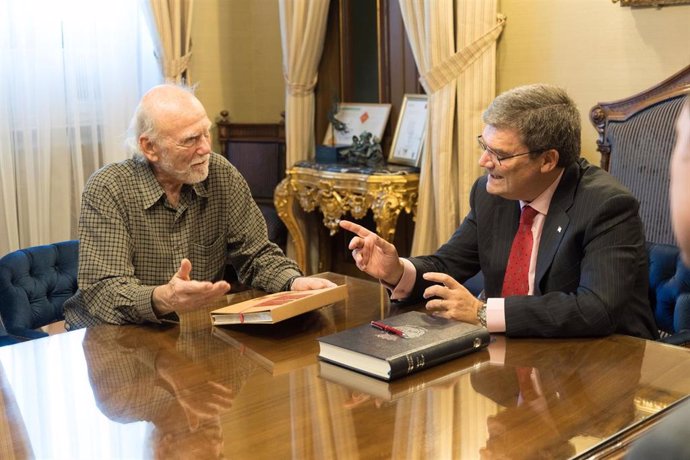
(585, 269)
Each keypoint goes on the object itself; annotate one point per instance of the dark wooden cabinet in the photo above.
(367, 58)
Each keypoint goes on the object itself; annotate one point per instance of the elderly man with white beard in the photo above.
(157, 230)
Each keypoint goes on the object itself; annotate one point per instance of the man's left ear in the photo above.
(148, 148)
(549, 160)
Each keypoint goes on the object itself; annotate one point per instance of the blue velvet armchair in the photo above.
(636, 138)
(669, 287)
(34, 284)
(5, 337)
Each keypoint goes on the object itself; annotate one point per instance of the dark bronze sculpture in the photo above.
(365, 150)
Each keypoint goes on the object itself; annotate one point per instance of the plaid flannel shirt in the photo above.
(132, 240)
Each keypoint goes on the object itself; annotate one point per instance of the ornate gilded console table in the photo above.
(336, 189)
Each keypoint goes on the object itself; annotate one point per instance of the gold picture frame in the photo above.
(656, 3)
(410, 132)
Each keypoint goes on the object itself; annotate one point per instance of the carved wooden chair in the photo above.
(257, 150)
(636, 138)
(258, 153)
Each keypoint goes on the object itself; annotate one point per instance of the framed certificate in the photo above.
(353, 119)
(408, 141)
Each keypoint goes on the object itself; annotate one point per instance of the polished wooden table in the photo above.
(191, 391)
(338, 189)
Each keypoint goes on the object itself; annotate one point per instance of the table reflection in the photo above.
(194, 391)
(169, 378)
(14, 439)
(528, 401)
(564, 391)
(431, 414)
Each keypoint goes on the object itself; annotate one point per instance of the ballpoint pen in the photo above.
(387, 328)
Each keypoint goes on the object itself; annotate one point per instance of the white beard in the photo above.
(190, 176)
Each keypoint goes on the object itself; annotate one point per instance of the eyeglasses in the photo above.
(497, 157)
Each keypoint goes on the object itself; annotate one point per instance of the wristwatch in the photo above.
(481, 315)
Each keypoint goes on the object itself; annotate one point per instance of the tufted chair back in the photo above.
(636, 138)
(34, 284)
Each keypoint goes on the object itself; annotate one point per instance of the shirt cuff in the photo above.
(142, 299)
(495, 314)
(404, 287)
(497, 350)
(284, 280)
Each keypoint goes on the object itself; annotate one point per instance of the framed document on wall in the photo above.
(353, 119)
(408, 142)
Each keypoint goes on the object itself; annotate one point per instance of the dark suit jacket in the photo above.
(591, 276)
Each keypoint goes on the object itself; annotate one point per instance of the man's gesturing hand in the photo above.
(304, 283)
(184, 294)
(374, 255)
(452, 300)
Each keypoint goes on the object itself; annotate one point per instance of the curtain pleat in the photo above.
(476, 89)
(302, 28)
(457, 66)
(173, 21)
(430, 31)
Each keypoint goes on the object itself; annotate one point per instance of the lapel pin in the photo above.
(559, 230)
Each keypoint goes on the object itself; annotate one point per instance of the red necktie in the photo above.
(516, 279)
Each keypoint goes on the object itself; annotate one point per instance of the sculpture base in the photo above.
(328, 154)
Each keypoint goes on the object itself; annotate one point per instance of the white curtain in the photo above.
(457, 64)
(72, 73)
(302, 29)
(173, 21)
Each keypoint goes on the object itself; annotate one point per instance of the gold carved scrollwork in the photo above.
(411, 205)
(283, 199)
(386, 208)
(332, 205)
(358, 204)
(306, 195)
(336, 194)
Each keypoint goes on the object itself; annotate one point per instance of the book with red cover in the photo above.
(273, 308)
(426, 341)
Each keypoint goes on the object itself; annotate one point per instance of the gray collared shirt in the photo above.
(132, 240)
